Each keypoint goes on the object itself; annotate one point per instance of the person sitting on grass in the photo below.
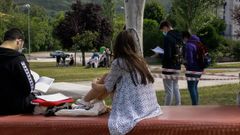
(130, 80)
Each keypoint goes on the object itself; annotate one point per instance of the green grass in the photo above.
(216, 95)
(66, 74)
(235, 65)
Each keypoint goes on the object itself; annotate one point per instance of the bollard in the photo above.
(238, 94)
(239, 77)
(238, 98)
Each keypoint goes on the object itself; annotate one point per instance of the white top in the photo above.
(131, 103)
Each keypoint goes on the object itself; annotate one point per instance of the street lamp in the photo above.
(29, 39)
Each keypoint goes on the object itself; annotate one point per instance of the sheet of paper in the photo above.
(53, 97)
(158, 50)
(43, 84)
(35, 76)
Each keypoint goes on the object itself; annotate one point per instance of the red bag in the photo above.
(42, 102)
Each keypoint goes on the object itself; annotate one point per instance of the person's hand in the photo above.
(105, 75)
(95, 80)
(94, 85)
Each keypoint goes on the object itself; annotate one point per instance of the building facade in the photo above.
(225, 12)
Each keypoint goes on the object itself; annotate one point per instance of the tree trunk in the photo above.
(83, 58)
(134, 12)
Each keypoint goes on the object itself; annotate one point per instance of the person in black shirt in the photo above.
(16, 82)
(171, 38)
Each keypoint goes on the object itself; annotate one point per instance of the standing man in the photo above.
(170, 61)
(16, 81)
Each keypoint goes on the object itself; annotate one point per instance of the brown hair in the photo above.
(125, 48)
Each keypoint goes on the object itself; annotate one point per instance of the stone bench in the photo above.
(182, 120)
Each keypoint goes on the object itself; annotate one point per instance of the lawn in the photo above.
(233, 65)
(217, 95)
(66, 74)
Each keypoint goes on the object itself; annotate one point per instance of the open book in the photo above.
(42, 83)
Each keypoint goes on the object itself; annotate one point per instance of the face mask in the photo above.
(165, 33)
(20, 49)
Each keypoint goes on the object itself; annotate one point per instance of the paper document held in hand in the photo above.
(42, 84)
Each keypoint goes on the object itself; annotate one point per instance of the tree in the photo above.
(210, 37)
(81, 18)
(187, 12)
(84, 42)
(7, 6)
(119, 23)
(16, 16)
(154, 11)
(134, 10)
(236, 18)
(109, 13)
(151, 36)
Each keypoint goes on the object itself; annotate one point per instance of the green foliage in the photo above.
(84, 42)
(40, 25)
(7, 6)
(189, 13)
(109, 13)
(83, 17)
(219, 25)
(118, 25)
(214, 41)
(152, 37)
(154, 10)
(210, 37)
(109, 9)
(235, 48)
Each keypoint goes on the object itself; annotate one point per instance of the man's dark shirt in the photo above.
(16, 83)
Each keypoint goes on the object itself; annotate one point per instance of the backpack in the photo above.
(178, 52)
(178, 56)
(203, 57)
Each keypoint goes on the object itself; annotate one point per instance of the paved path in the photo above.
(158, 84)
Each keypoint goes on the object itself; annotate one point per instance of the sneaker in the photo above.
(81, 104)
(51, 110)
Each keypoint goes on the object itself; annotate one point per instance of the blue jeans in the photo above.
(193, 88)
(171, 88)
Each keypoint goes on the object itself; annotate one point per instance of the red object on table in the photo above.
(42, 102)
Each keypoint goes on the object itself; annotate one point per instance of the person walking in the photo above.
(171, 61)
